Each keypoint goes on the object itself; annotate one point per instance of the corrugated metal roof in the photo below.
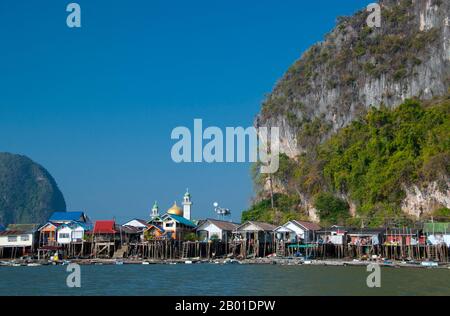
(129, 229)
(308, 225)
(439, 228)
(66, 216)
(13, 233)
(26, 228)
(140, 221)
(224, 225)
(261, 225)
(105, 227)
(181, 220)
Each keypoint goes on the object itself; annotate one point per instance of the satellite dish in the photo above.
(221, 212)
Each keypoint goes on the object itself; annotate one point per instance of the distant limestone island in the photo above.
(28, 193)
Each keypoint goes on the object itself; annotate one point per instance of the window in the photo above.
(12, 238)
(64, 235)
(25, 238)
(169, 224)
(77, 235)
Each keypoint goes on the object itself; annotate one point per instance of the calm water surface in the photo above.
(209, 279)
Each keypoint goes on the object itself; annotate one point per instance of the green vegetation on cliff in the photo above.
(28, 193)
(368, 163)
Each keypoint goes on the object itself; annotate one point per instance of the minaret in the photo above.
(187, 203)
(155, 211)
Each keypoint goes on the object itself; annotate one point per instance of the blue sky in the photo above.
(96, 105)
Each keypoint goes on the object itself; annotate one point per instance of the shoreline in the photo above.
(256, 261)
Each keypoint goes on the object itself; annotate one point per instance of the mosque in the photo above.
(175, 223)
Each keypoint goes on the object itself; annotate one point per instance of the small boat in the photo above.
(119, 262)
(33, 265)
(188, 262)
(145, 262)
(307, 262)
(429, 264)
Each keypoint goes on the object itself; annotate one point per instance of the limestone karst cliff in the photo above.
(356, 68)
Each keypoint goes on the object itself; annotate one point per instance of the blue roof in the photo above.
(66, 216)
(2, 228)
(182, 220)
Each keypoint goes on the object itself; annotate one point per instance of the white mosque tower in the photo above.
(187, 203)
(155, 211)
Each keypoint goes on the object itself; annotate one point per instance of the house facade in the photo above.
(105, 231)
(18, 240)
(177, 227)
(48, 234)
(213, 229)
(73, 232)
(253, 230)
(404, 237)
(64, 228)
(438, 233)
(366, 237)
(335, 235)
(297, 231)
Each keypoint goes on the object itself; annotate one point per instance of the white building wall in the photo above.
(77, 233)
(212, 230)
(67, 239)
(21, 241)
(300, 232)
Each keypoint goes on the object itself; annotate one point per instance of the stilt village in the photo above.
(174, 237)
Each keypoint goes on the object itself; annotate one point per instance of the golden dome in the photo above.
(175, 210)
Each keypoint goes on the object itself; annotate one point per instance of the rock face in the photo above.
(357, 67)
(420, 201)
(28, 193)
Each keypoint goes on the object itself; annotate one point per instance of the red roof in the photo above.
(105, 227)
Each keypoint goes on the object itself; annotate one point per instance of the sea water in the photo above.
(216, 279)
